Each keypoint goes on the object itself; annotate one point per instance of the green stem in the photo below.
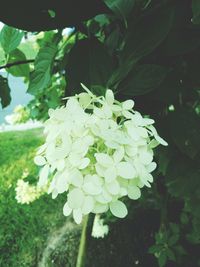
(82, 247)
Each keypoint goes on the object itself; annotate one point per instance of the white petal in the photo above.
(43, 177)
(77, 215)
(126, 170)
(113, 188)
(84, 163)
(110, 174)
(118, 209)
(134, 192)
(118, 154)
(76, 178)
(109, 97)
(128, 104)
(41, 149)
(60, 164)
(161, 140)
(100, 170)
(66, 209)
(151, 167)
(62, 183)
(103, 159)
(84, 99)
(39, 160)
(75, 198)
(54, 194)
(100, 208)
(92, 188)
(88, 205)
(147, 121)
(145, 157)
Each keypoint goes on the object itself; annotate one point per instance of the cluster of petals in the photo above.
(98, 151)
(26, 193)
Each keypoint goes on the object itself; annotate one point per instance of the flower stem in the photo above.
(82, 247)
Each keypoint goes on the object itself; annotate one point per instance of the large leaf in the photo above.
(142, 39)
(21, 70)
(182, 177)
(121, 8)
(10, 38)
(143, 79)
(148, 33)
(185, 131)
(29, 48)
(88, 63)
(196, 11)
(4, 92)
(41, 76)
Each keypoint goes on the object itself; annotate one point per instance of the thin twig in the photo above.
(9, 65)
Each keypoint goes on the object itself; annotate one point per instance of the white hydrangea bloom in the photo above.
(98, 150)
(26, 193)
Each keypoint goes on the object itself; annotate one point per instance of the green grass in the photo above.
(24, 228)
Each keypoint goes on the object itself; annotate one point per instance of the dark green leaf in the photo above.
(173, 240)
(21, 70)
(162, 259)
(196, 11)
(4, 92)
(143, 38)
(88, 63)
(41, 76)
(143, 79)
(183, 177)
(121, 8)
(170, 254)
(10, 38)
(185, 131)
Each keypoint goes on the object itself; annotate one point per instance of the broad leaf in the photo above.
(10, 38)
(21, 70)
(143, 79)
(41, 76)
(182, 177)
(4, 92)
(121, 8)
(185, 131)
(88, 63)
(143, 38)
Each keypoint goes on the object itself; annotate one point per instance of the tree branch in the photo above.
(9, 65)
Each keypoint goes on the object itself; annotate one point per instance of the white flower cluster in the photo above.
(19, 115)
(26, 193)
(99, 229)
(98, 150)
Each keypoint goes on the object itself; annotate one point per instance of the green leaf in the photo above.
(173, 240)
(10, 38)
(21, 70)
(162, 259)
(170, 254)
(182, 178)
(196, 11)
(41, 76)
(88, 63)
(141, 40)
(4, 92)
(29, 48)
(185, 131)
(121, 8)
(143, 79)
(145, 36)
